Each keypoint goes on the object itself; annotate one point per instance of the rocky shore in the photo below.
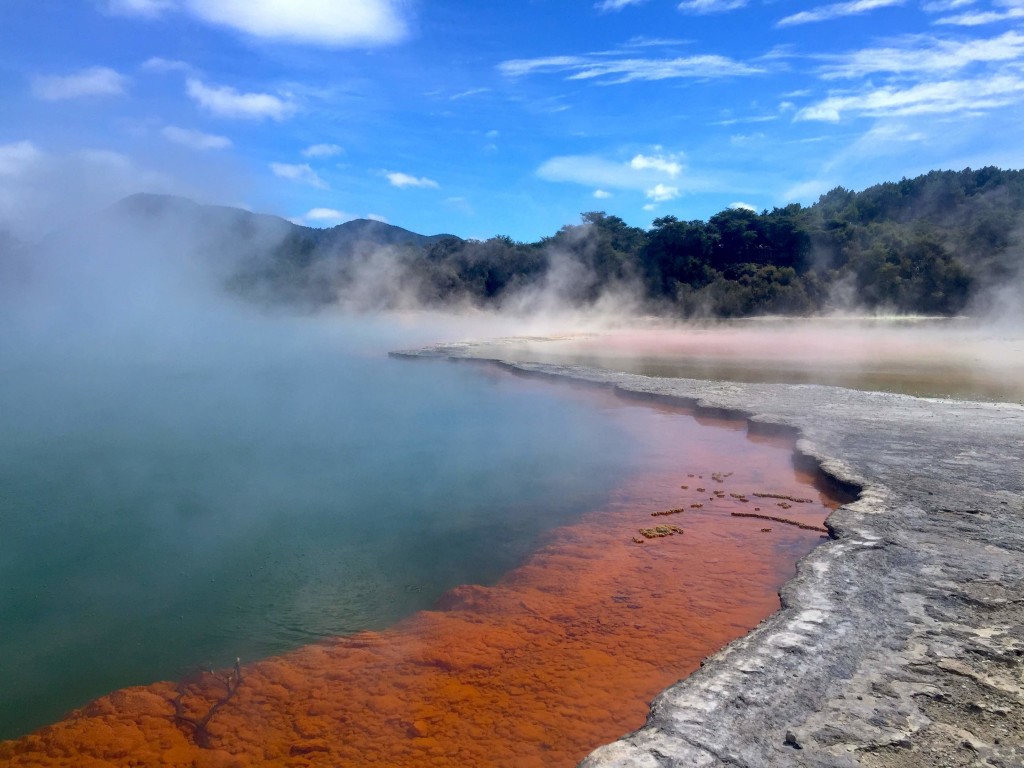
(901, 640)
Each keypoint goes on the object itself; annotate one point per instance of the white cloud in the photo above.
(321, 22)
(467, 94)
(885, 139)
(745, 139)
(835, 11)
(607, 70)
(703, 7)
(940, 6)
(322, 150)
(944, 97)
(460, 204)
(920, 55)
(147, 8)
(751, 119)
(642, 172)
(331, 217)
(94, 81)
(543, 64)
(601, 194)
(640, 41)
(400, 180)
(661, 193)
(616, 5)
(160, 64)
(980, 18)
(17, 158)
(668, 165)
(740, 206)
(590, 171)
(39, 189)
(301, 173)
(327, 216)
(194, 139)
(227, 102)
(809, 190)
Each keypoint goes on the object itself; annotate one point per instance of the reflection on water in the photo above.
(933, 358)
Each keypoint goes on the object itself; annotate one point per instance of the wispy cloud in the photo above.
(225, 101)
(601, 194)
(704, 7)
(147, 8)
(322, 150)
(194, 139)
(941, 6)
(353, 22)
(921, 56)
(401, 180)
(466, 94)
(641, 172)
(39, 188)
(653, 42)
(752, 119)
(18, 157)
(980, 18)
(160, 64)
(835, 11)
(945, 97)
(298, 172)
(608, 70)
(616, 5)
(94, 81)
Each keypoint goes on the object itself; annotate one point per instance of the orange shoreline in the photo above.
(563, 654)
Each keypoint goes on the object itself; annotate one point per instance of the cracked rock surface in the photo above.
(901, 640)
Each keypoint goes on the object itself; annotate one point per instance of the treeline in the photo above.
(924, 245)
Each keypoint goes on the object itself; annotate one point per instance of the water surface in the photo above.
(923, 357)
(257, 486)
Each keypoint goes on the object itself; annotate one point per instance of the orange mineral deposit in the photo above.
(563, 654)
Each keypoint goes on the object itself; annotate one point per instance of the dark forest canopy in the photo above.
(923, 245)
(929, 245)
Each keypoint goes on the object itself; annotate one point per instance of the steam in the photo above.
(157, 277)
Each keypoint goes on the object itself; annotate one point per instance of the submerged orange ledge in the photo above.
(565, 653)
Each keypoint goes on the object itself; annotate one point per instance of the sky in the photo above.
(495, 118)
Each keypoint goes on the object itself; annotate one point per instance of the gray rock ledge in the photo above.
(901, 640)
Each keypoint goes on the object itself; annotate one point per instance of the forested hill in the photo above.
(935, 244)
(925, 245)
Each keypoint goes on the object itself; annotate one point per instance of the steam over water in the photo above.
(248, 489)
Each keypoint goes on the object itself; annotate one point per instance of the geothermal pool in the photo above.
(925, 357)
(260, 491)
(305, 495)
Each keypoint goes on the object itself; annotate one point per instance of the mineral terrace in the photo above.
(901, 640)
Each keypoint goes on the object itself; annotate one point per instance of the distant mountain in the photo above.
(942, 243)
(268, 258)
(344, 236)
(341, 239)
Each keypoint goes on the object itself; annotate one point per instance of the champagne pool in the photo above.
(297, 494)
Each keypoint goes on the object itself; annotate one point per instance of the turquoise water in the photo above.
(176, 498)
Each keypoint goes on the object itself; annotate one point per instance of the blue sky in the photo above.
(495, 118)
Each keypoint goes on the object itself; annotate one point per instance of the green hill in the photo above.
(936, 244)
